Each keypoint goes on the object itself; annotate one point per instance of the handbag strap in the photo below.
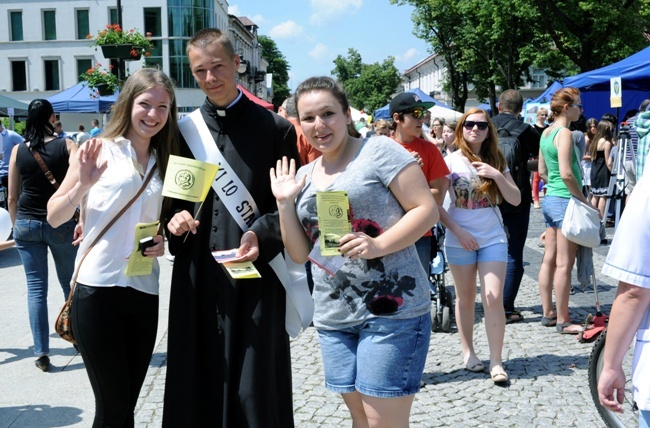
(46, 170)
(108, 226)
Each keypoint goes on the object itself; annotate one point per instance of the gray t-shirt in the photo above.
(395, 285)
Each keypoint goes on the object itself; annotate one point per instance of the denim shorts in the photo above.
(491, 253)
(382, 357)
(553, 209)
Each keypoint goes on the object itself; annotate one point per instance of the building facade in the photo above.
(44, 46)
(430, 73)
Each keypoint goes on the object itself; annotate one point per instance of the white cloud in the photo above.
(286, 30)
(327, 10)
(319, 52)
(258, 19)
(406, 56)
(234, 10)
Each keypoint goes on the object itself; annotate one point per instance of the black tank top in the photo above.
(36, 189)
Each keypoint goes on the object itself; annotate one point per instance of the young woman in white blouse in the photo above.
(115, 314)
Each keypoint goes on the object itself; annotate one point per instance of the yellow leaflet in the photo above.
(243, 270)
(333, 209)
(188, 179)
(139, 264)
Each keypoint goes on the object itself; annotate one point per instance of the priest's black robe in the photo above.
(228, 351)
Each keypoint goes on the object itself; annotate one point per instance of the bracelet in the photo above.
(70, 200)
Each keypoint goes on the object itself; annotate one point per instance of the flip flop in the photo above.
(475, 368)
(515, 316)
(549, 322)
(560, 328)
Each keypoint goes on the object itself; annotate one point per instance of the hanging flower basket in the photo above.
(104, 90)
(103, 81)
(118, 44)
(120, 52)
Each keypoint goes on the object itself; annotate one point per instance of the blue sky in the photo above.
(311, 33)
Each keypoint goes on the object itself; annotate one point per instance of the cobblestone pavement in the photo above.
(548, 372)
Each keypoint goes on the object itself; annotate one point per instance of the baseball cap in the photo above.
(408, 101)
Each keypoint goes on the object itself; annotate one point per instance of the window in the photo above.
(185, 18)
(16, 26)
(83, 64)
(153, 25)
(83, 24)
(18, 76)
(112, 15)
(52, 82)
(540, 79)
(49, 25)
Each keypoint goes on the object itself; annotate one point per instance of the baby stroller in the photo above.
(441, 299)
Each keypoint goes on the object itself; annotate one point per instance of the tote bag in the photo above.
(581, 224)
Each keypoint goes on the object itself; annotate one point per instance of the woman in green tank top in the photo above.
(559, 167)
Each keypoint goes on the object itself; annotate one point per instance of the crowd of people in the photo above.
(87, 200)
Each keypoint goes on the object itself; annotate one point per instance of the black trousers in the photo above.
(115, 328)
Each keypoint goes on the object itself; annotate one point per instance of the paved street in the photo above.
(548, 371)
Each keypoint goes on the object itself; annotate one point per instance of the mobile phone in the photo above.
(146, 243)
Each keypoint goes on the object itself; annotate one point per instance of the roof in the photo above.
(424, 61)
(247, 22)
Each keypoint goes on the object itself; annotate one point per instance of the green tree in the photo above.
(368, 86)
(480, 40)
(278, 66)
(590, 34)
(493, 43)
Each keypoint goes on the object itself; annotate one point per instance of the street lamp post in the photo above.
(121, 70)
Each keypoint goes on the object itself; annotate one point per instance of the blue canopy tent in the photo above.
(595, 85)
(81, 99)
(384, 112)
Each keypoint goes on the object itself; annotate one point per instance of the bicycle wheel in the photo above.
(630, 415)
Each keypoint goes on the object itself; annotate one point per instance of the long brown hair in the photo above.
(604, 130)
(489, 154)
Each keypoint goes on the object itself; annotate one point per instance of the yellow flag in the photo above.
(188, 179)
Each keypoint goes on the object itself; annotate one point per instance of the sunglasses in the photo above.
(417, 114)
(576, 105)
(469, 125)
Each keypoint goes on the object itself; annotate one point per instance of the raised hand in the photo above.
(485, 170)
(283, 181)
(91, 167)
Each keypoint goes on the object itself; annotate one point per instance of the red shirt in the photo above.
(433, 164)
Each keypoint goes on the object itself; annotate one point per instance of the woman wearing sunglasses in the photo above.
(477, 242)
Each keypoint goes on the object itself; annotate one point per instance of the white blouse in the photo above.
(105, 265)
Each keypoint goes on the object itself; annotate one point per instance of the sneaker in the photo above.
(43, 363)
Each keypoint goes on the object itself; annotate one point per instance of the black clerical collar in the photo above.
(222, 112)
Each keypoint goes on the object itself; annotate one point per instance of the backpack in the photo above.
(516, 157)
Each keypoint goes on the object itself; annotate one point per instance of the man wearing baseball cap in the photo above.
(408, 112)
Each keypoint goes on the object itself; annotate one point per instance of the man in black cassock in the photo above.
(228, 357)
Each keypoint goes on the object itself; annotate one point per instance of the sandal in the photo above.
(549, 322)
(515, 316)
(562, 328)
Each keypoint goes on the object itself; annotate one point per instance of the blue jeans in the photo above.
(381, 357)
(33, 237)
(517, 224)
